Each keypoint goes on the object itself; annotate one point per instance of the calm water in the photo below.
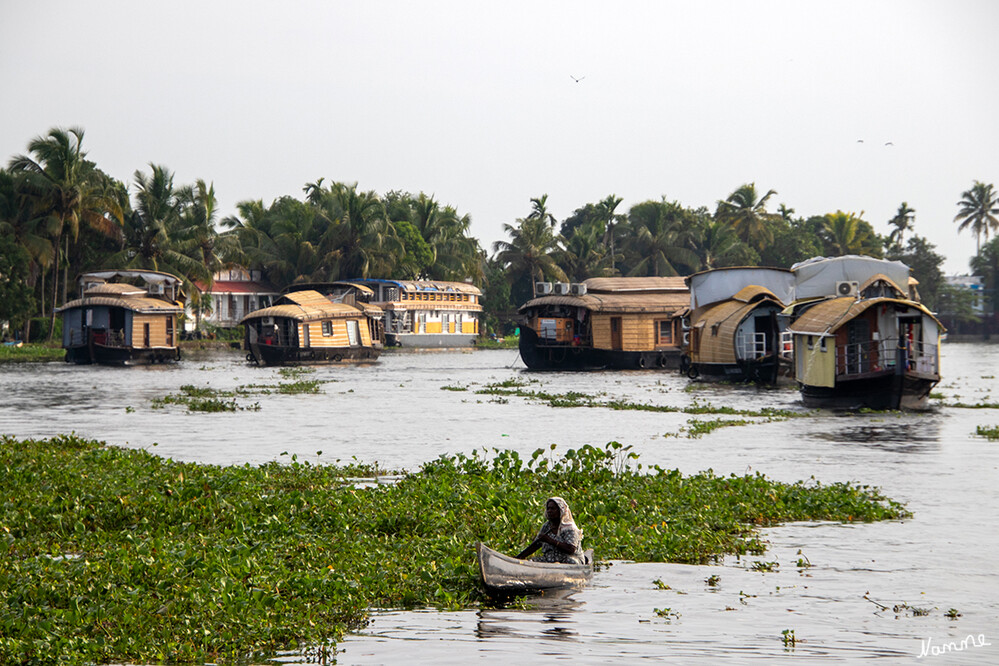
(395, 413)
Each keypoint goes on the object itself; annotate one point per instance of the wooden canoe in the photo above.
(503, 575)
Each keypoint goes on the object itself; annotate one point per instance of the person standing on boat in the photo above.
(559, 538)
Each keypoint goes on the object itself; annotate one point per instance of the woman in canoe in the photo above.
(559, 538)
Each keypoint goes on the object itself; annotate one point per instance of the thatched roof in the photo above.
(307, 306)
(141, 304)
(826, 317)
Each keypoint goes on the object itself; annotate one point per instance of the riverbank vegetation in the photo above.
(117, 555)
(61, 215)
(31, 353)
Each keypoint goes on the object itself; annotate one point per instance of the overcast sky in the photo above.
(475, 103)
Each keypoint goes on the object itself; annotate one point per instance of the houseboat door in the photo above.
(615, 323)
(353, 333)
(858, 338)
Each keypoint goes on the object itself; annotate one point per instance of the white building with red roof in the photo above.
(235, 293)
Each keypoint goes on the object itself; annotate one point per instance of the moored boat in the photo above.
(861, 338)
(123, 317)
(735, 330)
(503, 575)
(427, 313)
(306, 327)
(624, 323)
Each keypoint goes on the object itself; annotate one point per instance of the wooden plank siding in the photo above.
(638, 331)
(157, 331)
(339, 337)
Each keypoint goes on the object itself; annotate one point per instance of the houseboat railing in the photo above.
(751, 346)
(113, 338)
(866, 357)
(787, 345)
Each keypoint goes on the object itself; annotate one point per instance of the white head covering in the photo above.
(564, 509)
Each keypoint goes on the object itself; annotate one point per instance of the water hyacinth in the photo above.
(111, 554)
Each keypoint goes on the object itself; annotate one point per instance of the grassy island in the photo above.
(31, 353)
(117, 555)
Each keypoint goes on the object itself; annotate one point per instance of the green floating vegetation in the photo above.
(207, 399)
(31, 353)
(988, 432)
(979, 405)
(576, 399)
(118, 555)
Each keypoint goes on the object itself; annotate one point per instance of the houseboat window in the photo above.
(665, 332)
(822, 343)
(811, 342)
(169, 331)
(145, 335)
(327, 329)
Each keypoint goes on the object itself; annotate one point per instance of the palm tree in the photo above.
(539, 210)
(585, 254)
(455, 254)
(67, 189)
(846, 233)
(902, 223)
(978, 209)
(720, 246)
(359, 239)
(201, 240)
(531, 250)
(154, 232)
(611, 221)
(18, 221)
(663, 240)
(748, 215)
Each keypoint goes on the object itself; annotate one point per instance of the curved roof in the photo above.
(826, 317)
(619, 285)
(719, 323)
(141, 304)
(664, 303)
(306, 306)
(884, 278)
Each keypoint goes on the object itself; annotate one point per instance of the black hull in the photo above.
(539, 356)
(278, 355)
(881, 392)
(766, 371)
(101, 355)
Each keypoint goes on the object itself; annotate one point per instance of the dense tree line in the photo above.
(60, 215)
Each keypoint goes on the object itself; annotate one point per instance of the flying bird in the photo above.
(575, 79)
(889, 143)
(860, 140)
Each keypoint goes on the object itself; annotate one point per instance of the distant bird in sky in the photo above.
(860, 140)
(575, 79)
(889, 143)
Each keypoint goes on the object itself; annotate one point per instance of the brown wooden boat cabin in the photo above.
(628, 322)
(309, 326)
(861, 337)
(123, 317)
(735, 330)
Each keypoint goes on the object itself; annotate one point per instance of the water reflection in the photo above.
(549, 616)
(912, 436)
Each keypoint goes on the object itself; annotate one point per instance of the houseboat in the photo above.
(427, 313)
(306, 326)
(123, 317)
(734, 330)
(604, 323)
(861, 337)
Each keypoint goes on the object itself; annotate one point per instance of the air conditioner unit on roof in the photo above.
(543, 288)
(156, 288)
(561, 288)
(847, 288)
(577, 289)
